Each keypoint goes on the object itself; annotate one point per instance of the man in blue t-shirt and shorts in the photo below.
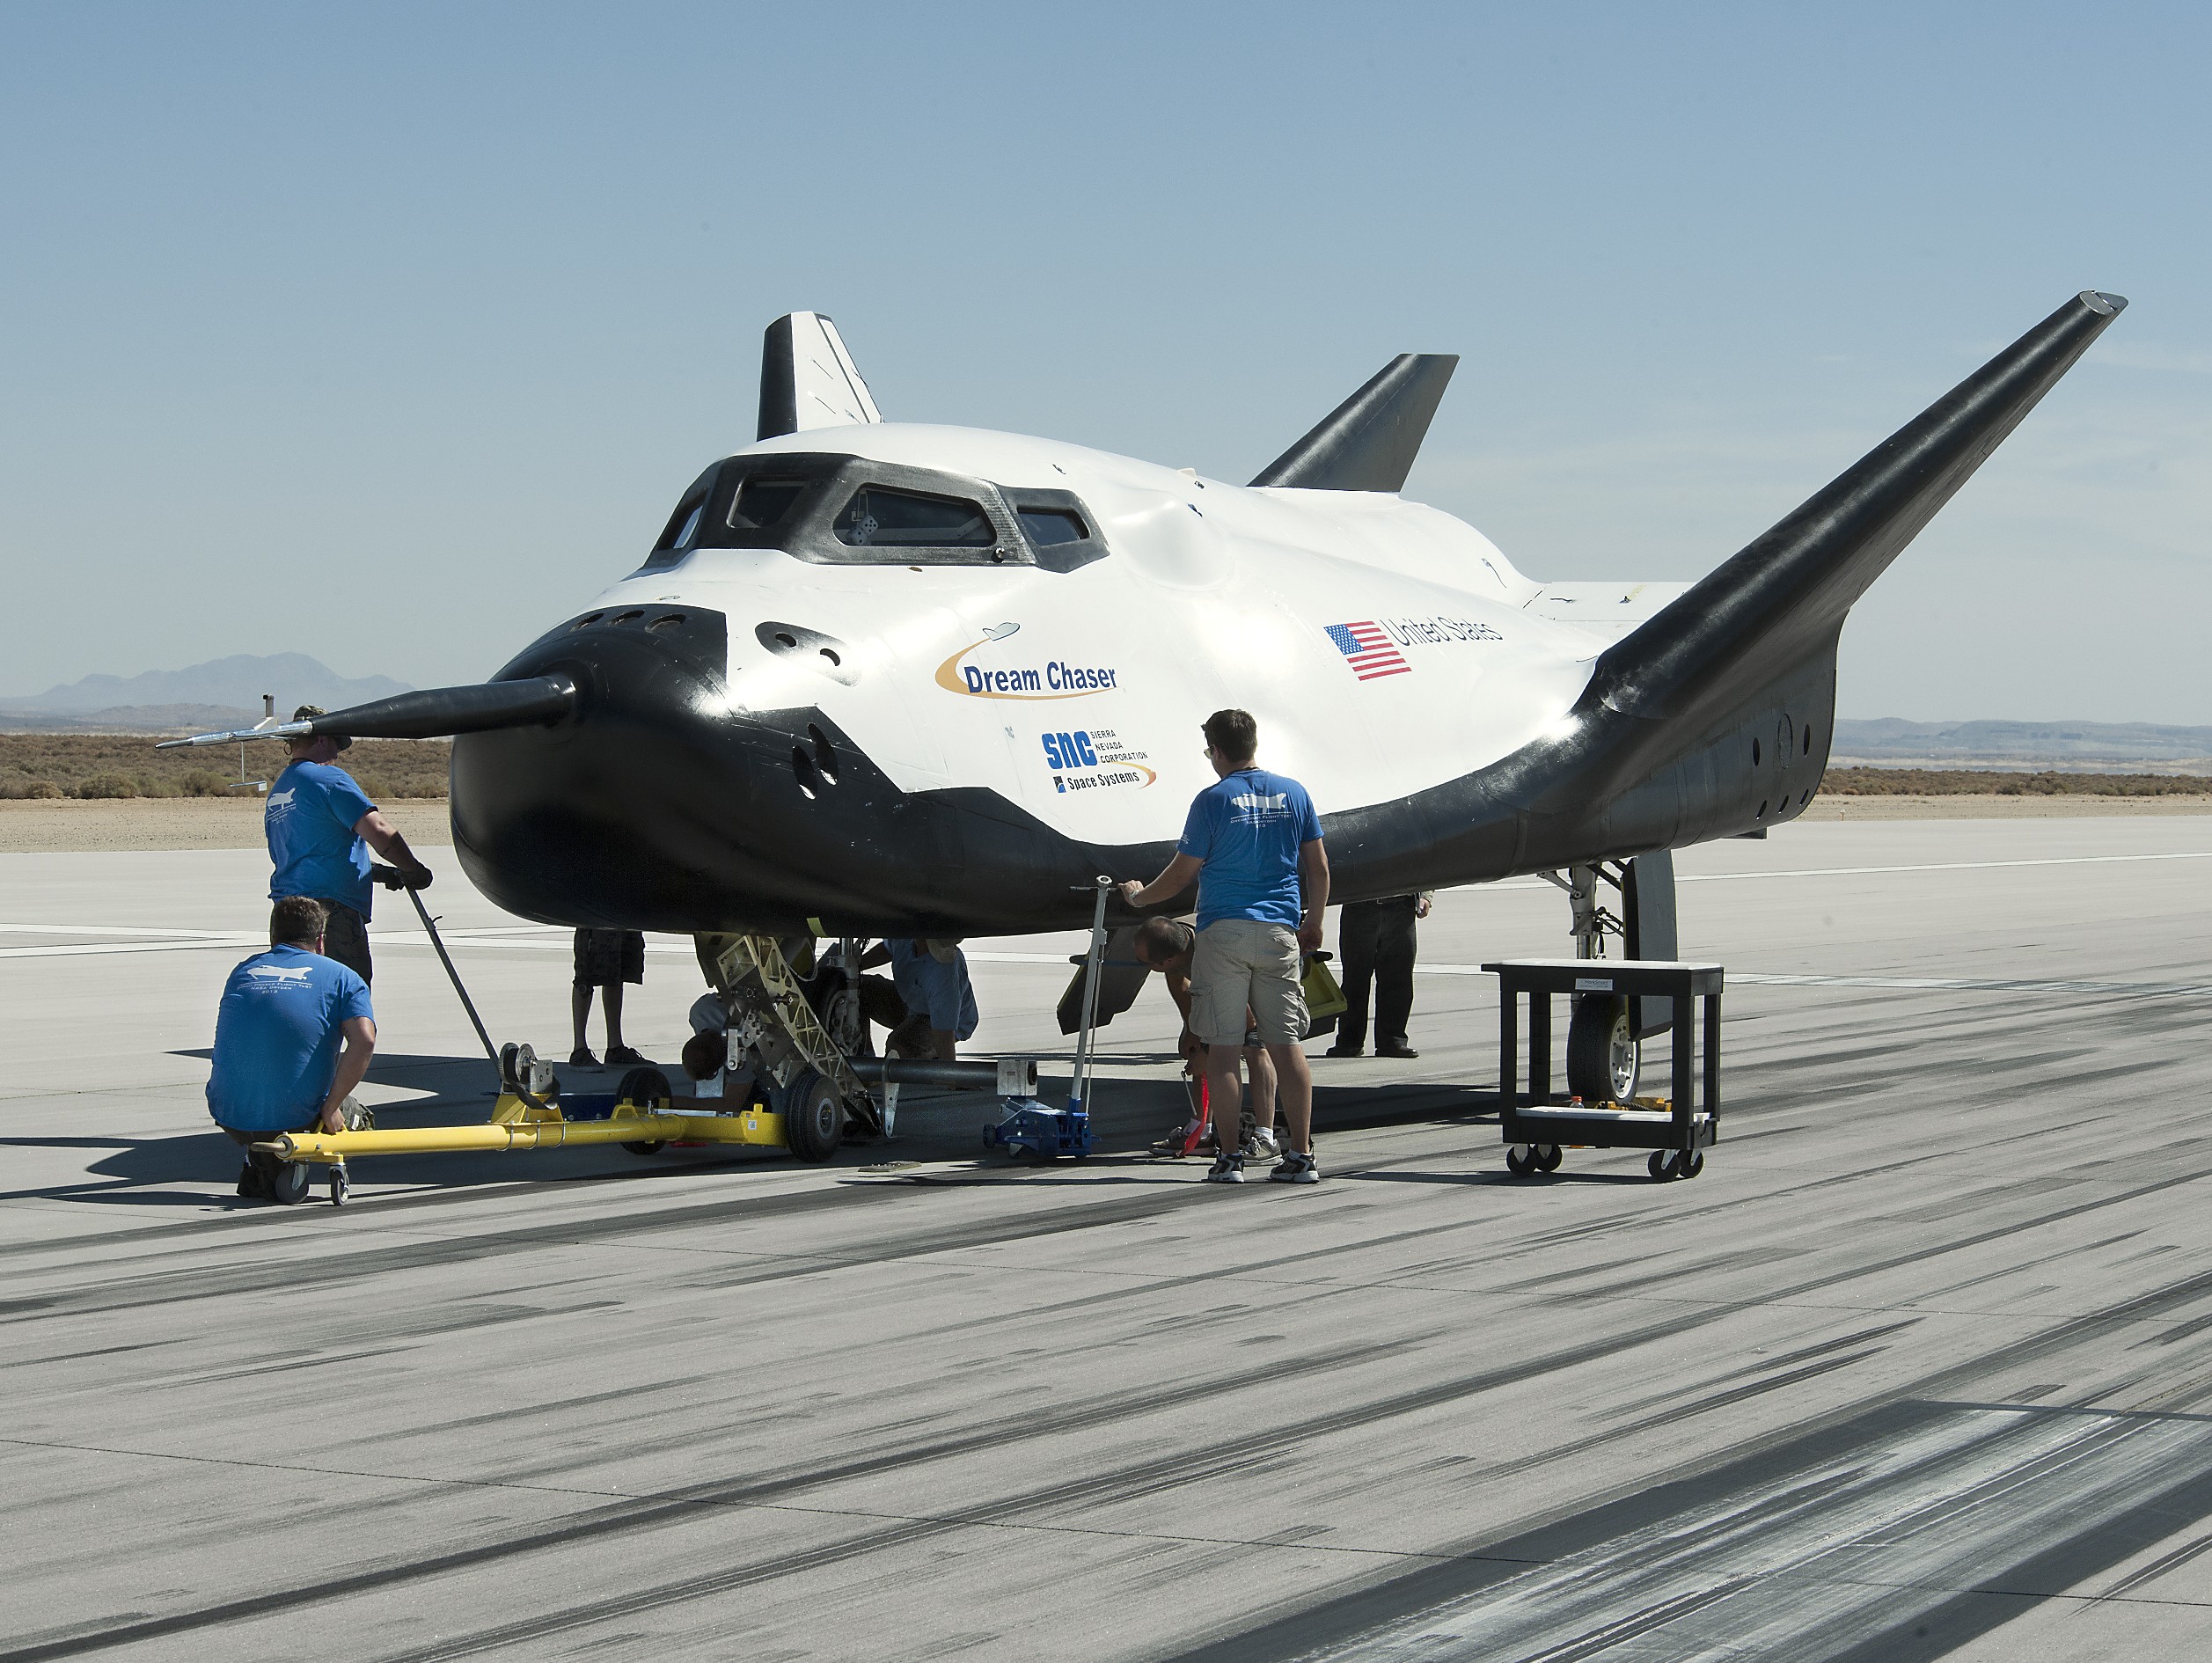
(277, 1063)
(1253, 842)
(321, 827)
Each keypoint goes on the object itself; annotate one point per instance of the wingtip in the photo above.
(2102, 304)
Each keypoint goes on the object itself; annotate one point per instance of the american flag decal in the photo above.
(1368, 649)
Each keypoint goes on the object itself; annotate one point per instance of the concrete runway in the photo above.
(1922, 1365)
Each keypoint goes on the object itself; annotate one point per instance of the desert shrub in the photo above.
(17, 788)
(108, 785)
(201, 783)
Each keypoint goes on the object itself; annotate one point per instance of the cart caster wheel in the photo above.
(1520, 1165)
(340, 1186)
(1548, 1157)
(1691, 1164)
(1657, 1166)
(289, 1183)
(653, 1147)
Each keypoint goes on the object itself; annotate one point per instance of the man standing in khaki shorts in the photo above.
(1253, 842)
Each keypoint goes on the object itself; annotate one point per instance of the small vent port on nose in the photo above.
(811, 784)
(586, 620)
(629, 617)
(666, 620)
(825, 654)
(825, 753)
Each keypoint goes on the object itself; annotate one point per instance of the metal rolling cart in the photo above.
(1540, 1124)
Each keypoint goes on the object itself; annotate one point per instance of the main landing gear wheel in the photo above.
(813, 1117)
(289, 1182)
(1603, 1053)
(644, 1087)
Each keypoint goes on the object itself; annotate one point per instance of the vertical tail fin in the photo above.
(808, 379)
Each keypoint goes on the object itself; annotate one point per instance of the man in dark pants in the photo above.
(321, 827)
(1374, 939)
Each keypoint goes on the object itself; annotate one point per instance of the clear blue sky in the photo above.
(388, 332)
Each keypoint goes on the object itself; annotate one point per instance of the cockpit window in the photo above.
(877, 517)
(762, 504)
(1048, 526)
(683, 525)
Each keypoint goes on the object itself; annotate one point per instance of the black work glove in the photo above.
(416, 877)
(390, 877)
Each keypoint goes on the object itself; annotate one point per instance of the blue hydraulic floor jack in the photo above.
(1057, 1134)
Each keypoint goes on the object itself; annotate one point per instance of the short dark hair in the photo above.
(1233, 734)
(297, 921)
(1162, 939)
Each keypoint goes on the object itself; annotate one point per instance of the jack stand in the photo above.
(1056, 1134)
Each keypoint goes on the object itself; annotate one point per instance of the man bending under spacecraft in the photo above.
(1253, 842)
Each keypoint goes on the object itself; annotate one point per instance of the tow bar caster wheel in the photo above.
(1520, 1160)
(340, 1186)
(1548, 1156)
(289, 1183)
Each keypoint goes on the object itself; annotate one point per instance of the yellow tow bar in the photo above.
(517, 1125)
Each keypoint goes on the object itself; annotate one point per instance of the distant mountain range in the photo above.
(222, 692)
(2140, 747)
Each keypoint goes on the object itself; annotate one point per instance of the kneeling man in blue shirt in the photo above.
(278, 1065)
(1253, 841)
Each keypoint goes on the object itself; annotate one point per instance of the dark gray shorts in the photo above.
(346, 938)
(605, 958)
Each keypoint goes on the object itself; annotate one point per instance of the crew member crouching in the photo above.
(278, 1066)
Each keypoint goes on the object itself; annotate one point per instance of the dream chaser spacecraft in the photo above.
(876, 678)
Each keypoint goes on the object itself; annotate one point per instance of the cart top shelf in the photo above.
(1642, 976)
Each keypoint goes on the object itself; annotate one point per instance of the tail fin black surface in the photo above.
(1786, 594)
(1369, 441)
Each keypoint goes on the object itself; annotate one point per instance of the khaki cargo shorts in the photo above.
(1242, 962)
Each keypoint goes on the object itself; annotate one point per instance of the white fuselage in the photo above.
(1078, 695)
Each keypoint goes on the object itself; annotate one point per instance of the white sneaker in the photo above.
(1228, 1168)
(1261, 1145)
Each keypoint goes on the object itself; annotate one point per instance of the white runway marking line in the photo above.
(175, 940)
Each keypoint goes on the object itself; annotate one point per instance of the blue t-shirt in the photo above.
(276, 1038)
(310, 818)
(1246, 829)
(942, 990)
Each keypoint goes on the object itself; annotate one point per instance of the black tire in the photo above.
(340, 1186)
(1549, 1156)
(1603, 1055)
(1520, 1166)
(1657, 1165)
(643, 1087)
(288, 1184)
(813, 1116)
(1695, 1163)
